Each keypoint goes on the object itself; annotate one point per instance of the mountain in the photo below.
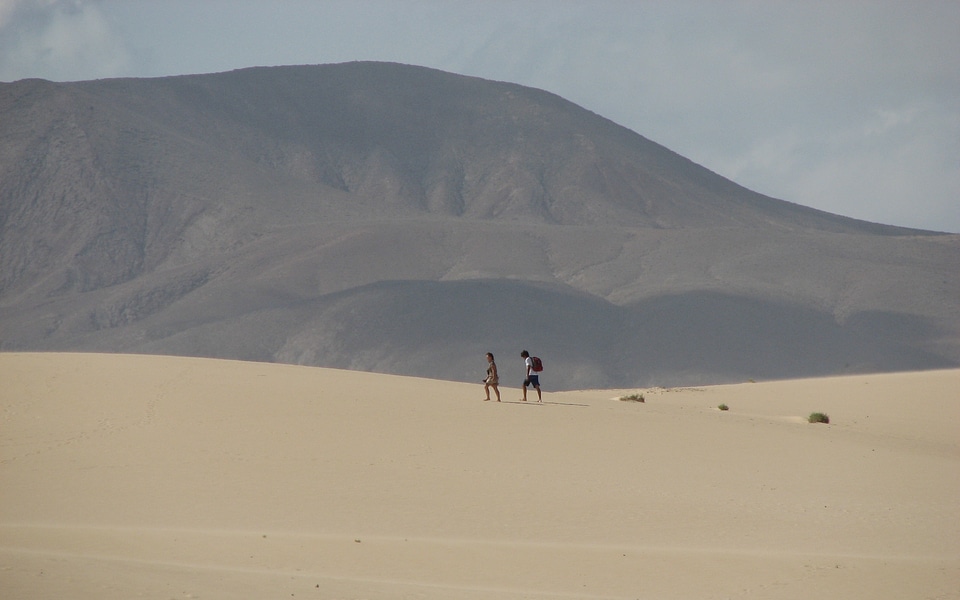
(400, 219)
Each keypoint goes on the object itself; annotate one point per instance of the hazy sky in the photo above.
(847, 106)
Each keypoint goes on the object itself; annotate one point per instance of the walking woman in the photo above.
(492, 380)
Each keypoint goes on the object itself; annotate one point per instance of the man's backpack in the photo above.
(537, 364)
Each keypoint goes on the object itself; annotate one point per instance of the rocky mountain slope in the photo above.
(400, 219)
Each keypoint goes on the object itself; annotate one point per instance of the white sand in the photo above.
(165, 478)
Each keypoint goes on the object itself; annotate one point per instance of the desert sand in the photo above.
(152, 477)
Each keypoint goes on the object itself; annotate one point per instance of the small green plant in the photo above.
(633, 398)
(723, 407)
(818, 418)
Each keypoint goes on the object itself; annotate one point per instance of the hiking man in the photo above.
(532, 377)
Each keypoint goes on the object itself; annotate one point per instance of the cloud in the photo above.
(902, 167)
(847, 107)
(6, 10)
(61, 40)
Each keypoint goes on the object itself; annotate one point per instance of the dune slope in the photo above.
(166, 477)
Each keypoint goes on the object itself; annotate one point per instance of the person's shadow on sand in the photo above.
(535, 403)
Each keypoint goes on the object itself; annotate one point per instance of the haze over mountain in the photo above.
(400, 219)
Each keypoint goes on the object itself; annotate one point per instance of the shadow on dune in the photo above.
(442, 330)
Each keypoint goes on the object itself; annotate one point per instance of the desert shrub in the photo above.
(723, 407)
(633, 398)
(818, 417)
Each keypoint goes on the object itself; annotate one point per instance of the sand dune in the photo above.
(166, 477)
